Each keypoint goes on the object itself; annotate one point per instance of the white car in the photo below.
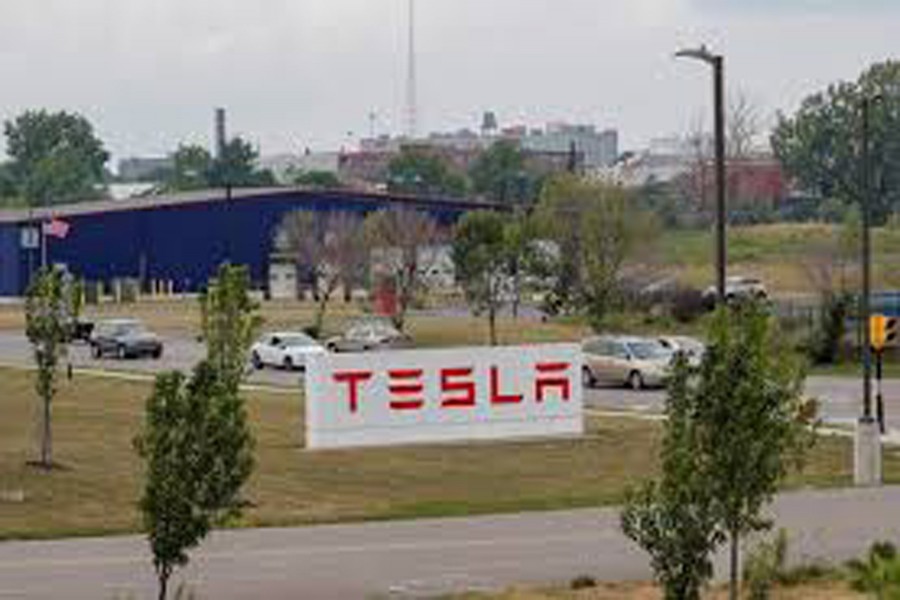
(284, 350)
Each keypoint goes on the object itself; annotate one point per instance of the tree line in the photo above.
(569, 248)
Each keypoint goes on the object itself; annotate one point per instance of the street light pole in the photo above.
(867, 444)
(717, 62)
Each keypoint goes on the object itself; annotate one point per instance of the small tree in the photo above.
(673, 519)
(752, 418)
(47, 317)
(479, 254)
(402, 238)
(330, 248)
(230, 322)
(595, 227)
(734, 428)
(198, 451)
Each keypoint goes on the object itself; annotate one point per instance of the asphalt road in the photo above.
(839, 396)
(416, 559)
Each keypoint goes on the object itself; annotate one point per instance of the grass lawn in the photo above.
(830, 590)
(95, 420)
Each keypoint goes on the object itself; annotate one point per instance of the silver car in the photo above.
(633, 361)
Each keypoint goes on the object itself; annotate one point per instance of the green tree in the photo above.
(191, 167)
(196, 169)
(595, 227)
(737, 425)
(237, 167)
(48, 315)
(819, 144)
(230, 321)
(753, 418)
(55, 157)
(500, 174)
(419, 171)
(9, 191)
(672, 519)
(319, 180)
(403, 240)
(198, 453)
(480, 257)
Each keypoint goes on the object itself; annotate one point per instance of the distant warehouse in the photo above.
(181, 239)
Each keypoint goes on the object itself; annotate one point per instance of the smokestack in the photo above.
(221, 135)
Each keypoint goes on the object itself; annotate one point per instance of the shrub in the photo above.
(879, 573)
(583, 582)
(687, 304)
(764, 566)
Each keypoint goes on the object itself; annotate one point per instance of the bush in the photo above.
(879, 573)
(764, 566)
(687, 304)
(824, 347)
(583, 582)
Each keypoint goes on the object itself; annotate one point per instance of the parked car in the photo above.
(692, 348)
(285, 350)
(369, 336)
(633, 361)
(738, 288)
(124, 338)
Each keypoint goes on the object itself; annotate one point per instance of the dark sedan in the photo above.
(124, 338)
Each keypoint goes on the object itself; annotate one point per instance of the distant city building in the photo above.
(598, 148)
(141, 169)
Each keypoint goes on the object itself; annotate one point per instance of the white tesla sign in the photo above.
(418, 396)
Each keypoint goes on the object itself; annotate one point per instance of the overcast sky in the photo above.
(298, 73)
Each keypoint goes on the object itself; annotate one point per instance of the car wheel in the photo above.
(121, 352)
(636, 381)
(256, 361)
(157, 353)
(288, 363)
(587, 378)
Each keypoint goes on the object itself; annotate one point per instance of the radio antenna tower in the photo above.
(412, 109)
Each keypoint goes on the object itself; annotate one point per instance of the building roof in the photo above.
(23, 215)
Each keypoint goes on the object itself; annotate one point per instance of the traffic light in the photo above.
(884, 331)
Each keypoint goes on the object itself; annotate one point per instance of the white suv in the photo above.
(739, 287)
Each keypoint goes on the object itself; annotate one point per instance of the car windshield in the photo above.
(648, 350)
(297, 341)
(130, 328)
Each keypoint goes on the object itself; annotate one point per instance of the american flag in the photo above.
(56, 228)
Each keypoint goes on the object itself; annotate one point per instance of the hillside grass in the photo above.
(780, 254)
(96, 418)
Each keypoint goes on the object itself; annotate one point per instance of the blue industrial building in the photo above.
(181, 238)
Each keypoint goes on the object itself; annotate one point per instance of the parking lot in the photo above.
(839, 396)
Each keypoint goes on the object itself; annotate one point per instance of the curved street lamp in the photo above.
(717, 62)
